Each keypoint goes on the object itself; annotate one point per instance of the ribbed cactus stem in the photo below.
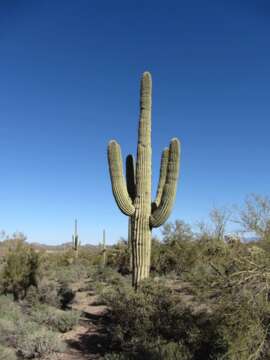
(131, 187)
(133, 196)
(130, 245)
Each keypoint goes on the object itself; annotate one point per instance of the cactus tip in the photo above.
(112, 143)
(146, 74)
(146, 78)
(175, 141)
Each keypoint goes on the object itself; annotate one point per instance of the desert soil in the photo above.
(88, 340)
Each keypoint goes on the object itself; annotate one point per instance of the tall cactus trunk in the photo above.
(141, 247)
(133, 197)
(130, 249)
(141, 233)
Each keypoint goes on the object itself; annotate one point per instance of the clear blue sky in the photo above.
(69, 82)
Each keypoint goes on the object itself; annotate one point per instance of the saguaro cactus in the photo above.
(75, 240)
(133, 196)
(104, 249)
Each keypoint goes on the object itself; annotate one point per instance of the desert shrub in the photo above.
(7, 353)
(48, 292)
(89, 256)
(177, 256)
(33, 341)
(103, 279)
(154, 321)
(8, 309)
(70, 274)
(7, 331)
(32, 296)
(55, 319)
(58, 259)
(234, 281)
(66, 296)
(118, 257)
(217, 308)
(107, 275)
(177, 251)
(20, 270)
(115, 356)
(156, 351)
(10, 314)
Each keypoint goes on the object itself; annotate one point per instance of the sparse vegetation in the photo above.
(207, 296)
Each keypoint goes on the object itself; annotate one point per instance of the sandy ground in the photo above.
(88, 340)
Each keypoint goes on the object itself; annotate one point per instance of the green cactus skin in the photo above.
(75, 240)
(133, 196)
(130, 179)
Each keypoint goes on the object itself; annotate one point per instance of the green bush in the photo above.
(66, 296)
(20, 270)
(118, 257)
(8, 309)
(7, 331)
(7, 353)
(70, 274)
(48, 292)
(33, 341)
(32, 297)
(156, 323)
(55, 319)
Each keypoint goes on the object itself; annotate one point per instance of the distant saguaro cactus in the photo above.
(104, 249)
(133, 196)
(75, 240)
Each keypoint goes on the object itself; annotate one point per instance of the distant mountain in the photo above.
(5, 244)
(62, 246)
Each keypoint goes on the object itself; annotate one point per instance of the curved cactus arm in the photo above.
(117, 179)
(162, 212)
(130, 176)
(162, 177)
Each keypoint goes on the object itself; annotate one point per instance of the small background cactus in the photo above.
(75, 240)
(104, 254)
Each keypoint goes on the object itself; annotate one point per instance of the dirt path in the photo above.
(88, 340)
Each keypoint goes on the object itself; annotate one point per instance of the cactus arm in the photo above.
(117, 179)
(130, 176)
(162, 178)
(162, 212)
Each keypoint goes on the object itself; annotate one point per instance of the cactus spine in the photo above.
(75, 240)
(133, 196)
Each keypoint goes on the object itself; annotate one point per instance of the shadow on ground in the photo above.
(93, 342)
